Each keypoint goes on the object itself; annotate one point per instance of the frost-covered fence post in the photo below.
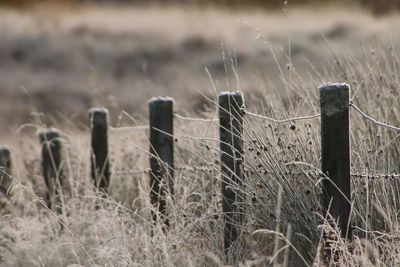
(51, 166)
(161, 154)
(100, 165)
(5, 170)
(335, 141)
(231, 111)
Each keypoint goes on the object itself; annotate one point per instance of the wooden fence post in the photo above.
(100, 166)
(161, 154)
(335, 141)
(231, 107)
(51, 166)
(5, 170)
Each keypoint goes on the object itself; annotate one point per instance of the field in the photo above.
(56, 64)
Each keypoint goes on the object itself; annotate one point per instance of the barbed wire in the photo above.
(128, 128)
(376, 176)
(215, 170)
(198, 169)
(365, 115)
(255, 115)
(131, 172)
(310, 117)
(176, 115)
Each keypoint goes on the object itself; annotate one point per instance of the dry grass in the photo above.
(282, 209)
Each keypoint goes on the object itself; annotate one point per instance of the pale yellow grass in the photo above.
(281, 61)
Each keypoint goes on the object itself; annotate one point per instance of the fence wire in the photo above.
(178, 116)
(129, 128)
(309, 117)
(292, 119)
(375, 121)
(214, 170)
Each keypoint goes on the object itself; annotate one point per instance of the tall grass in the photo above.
(284, 224)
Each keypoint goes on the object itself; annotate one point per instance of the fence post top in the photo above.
(236, 96)
(227, 93)
(98, 116)
(98, 110)
(325, 87)
(4, 151)
(160, 100)
(334, 98)
(49, 134)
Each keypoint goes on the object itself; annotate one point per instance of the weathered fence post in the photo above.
(231, 107)
(161, 154)
(335, 141)
(51, 166)
(5, 170)
(100, 166)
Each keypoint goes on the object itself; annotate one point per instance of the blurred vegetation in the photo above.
(376, 6)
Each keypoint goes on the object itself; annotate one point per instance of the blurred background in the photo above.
(58, 58)
(376, 6)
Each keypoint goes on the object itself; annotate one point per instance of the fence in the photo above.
(335, 164)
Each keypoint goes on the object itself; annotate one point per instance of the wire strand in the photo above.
(310, 117)
(365, 115)
(128, 128)
(193, 119)
(213, 169)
